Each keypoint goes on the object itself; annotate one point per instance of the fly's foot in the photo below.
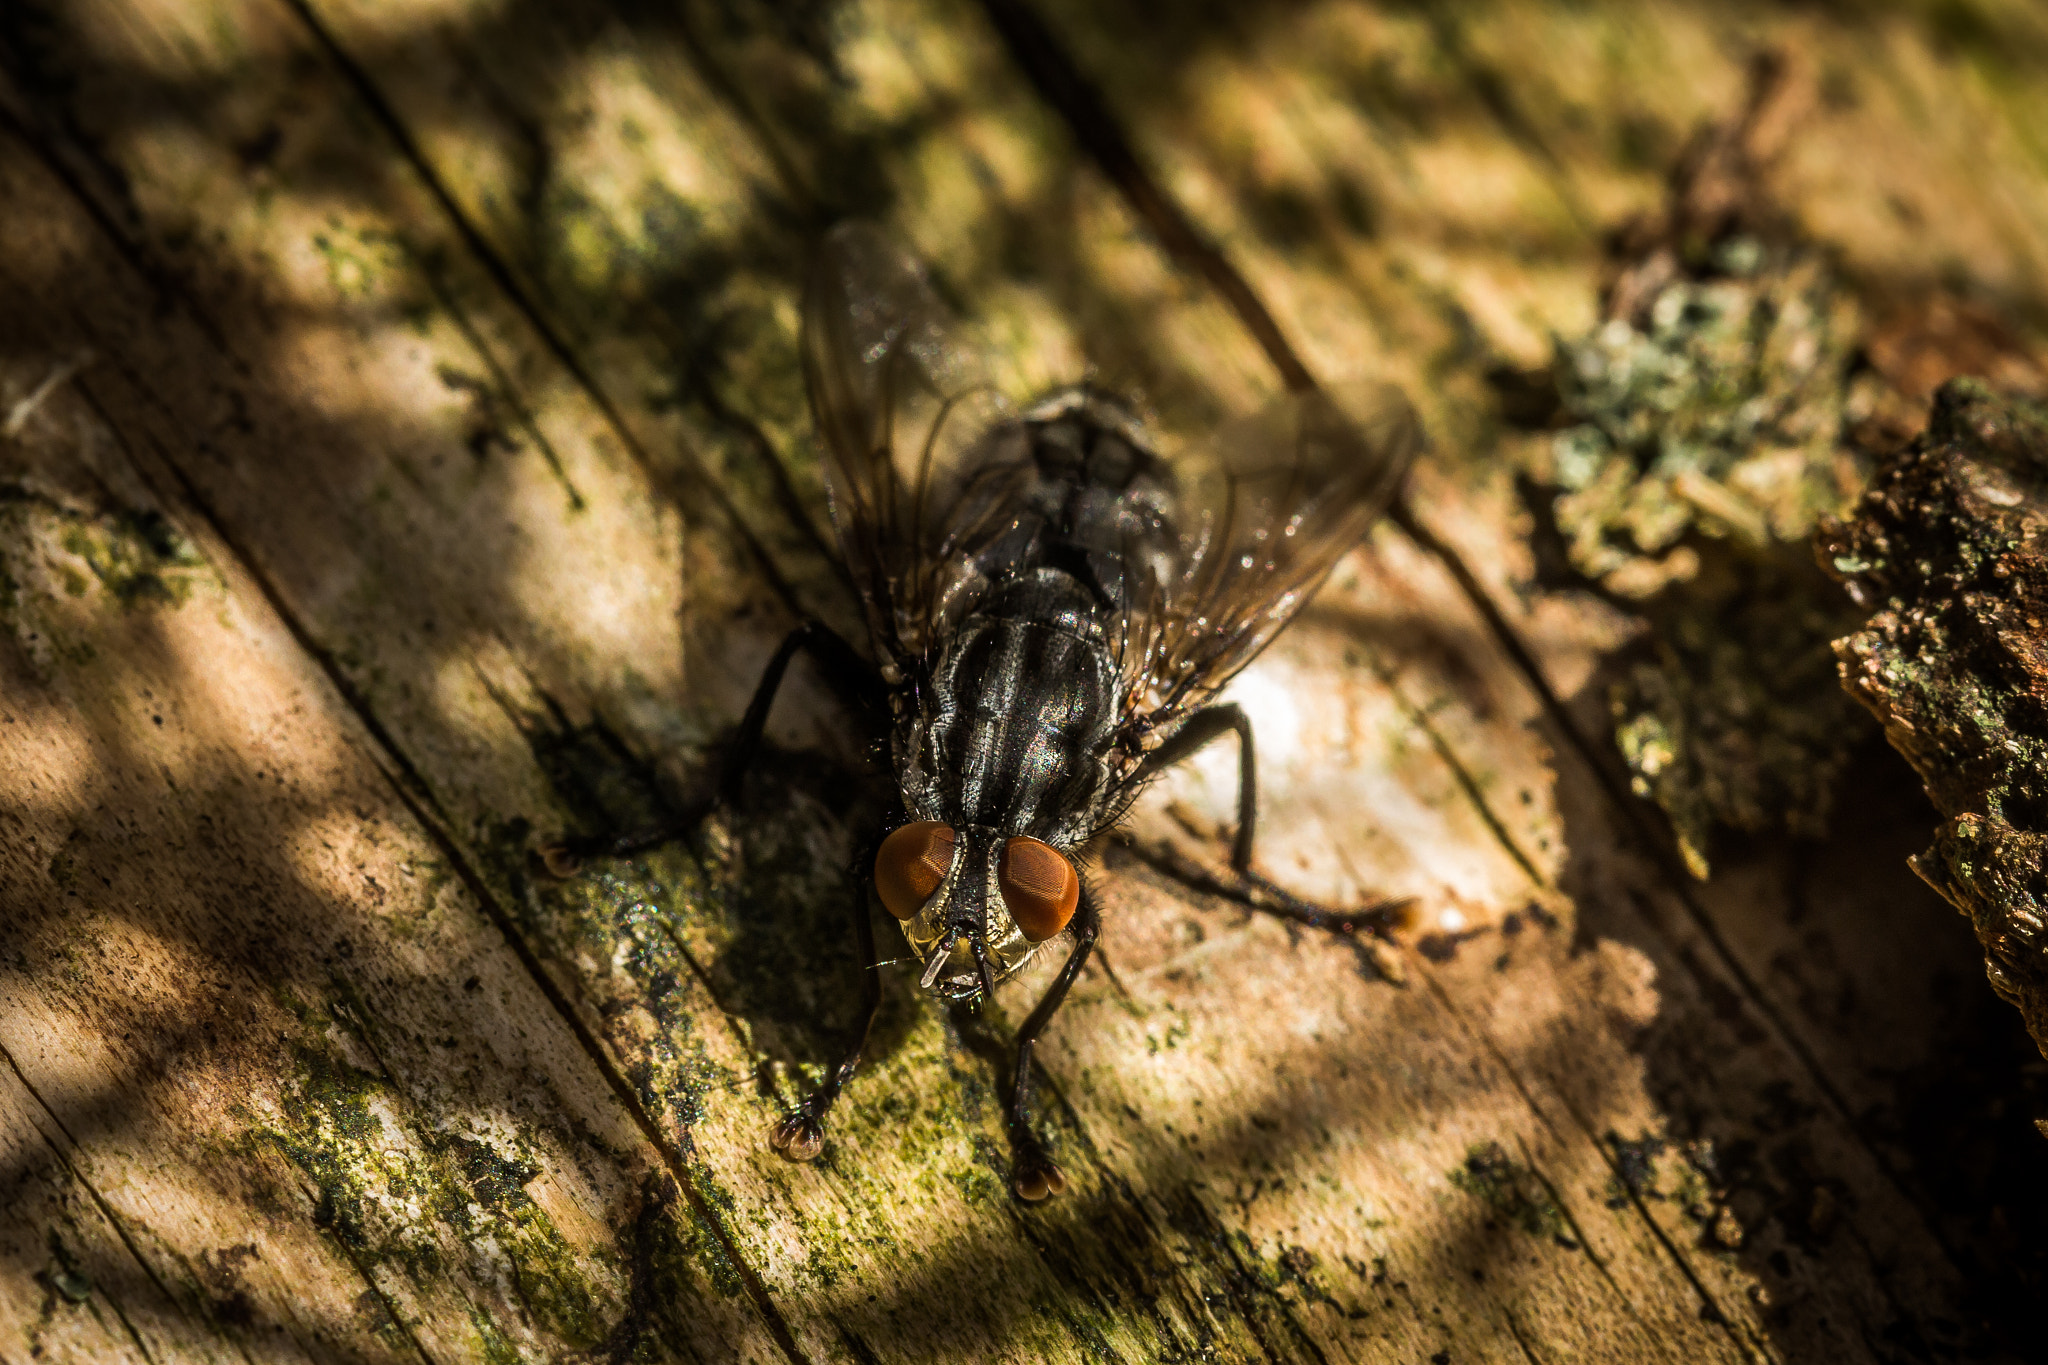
(564, 858)
(561, 859)
(800, 1137)
(1038, 1175)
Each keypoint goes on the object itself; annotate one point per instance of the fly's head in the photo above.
(975, 903)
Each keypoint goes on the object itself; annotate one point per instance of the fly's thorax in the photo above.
(1015, 728)
(1007, 759)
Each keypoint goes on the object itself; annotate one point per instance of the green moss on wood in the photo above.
(415, 1201)
(135, 555)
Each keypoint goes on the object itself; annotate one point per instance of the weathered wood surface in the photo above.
(403, 500)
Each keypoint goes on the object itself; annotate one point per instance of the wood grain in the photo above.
(438, 470)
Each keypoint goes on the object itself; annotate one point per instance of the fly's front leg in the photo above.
(842, 667)
(853, 677)
(1246, 885)
(1038, 1175)
(801, 1135)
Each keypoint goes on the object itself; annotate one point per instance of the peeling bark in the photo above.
(1951, 545)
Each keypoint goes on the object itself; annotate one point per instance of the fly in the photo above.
(1051, 608)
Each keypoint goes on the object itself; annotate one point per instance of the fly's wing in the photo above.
(1263, 515)
(903, 409)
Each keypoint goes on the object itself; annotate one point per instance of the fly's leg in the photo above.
(1038, 1175)
(1203, 726)
(801, 1135)
(842, 667)
(853, 677)
(1245, 885)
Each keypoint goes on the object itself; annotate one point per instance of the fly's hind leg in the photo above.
(1243, 884)
(851, 676)
(1037, 1174)
(800, 1136)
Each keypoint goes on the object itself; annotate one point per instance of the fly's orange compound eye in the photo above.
(911, 864)
(1039, 885)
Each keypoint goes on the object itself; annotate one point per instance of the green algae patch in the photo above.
(77, 527)
(328, 1128)
(135, 555)
(428, 1204)
(1513, 1194)
(361, 263)
(618, 922)
(1950, 547)
(625, 924)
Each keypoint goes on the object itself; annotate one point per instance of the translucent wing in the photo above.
(1262, 517)
(936, 486)
(901, 406)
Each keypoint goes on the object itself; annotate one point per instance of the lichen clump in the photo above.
(1720, 413)
(1728, 718)
(1705, 442)
(1951, 545)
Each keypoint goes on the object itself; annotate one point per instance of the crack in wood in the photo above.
(99, 1201)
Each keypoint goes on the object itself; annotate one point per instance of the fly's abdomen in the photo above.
(1103, 499)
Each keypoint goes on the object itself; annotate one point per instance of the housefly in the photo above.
(1051, 608)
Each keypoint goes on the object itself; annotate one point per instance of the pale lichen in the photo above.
(1705, 442)
(1717, 412)
(1707, 423)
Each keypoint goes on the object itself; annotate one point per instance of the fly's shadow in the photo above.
(789, 966)
(765, 880)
